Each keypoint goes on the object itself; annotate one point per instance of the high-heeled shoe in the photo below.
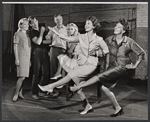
(56, 77)
(120, 112)
(75, 88)
(44, 89)
(87, 109)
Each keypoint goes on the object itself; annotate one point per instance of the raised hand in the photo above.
(42, 29)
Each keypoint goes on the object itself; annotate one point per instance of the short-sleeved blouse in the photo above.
(122, 51)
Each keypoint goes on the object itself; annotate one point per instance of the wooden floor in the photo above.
(133, 99)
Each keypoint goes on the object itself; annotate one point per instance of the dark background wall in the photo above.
(108, 14)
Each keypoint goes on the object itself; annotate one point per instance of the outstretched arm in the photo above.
(71, 39)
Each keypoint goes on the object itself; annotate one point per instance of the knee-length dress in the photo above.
(119, 58)
(24, 53)
(86, 58)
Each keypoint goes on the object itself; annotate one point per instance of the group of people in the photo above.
(76, 54)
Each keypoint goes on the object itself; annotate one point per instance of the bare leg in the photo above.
(58, 70)
(58, 73)
(18, 87)
(86, 103)
(51, 86)
(20, 94)
(108, 93)
(87, 83)
(111, 97)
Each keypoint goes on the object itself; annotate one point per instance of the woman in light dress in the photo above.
(87, 60)
(22, 51)
(68, 61)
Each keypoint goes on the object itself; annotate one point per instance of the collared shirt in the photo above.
(89, 47)
(120, 54)
(56, 41)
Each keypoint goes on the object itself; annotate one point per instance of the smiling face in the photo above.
(119, 29)
(89, 26)
(24, 25)
(34, 23)
(71, 30)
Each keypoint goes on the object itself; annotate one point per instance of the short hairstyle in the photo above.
(20, 23)
(75, 27)
(56, 15)
(95, 23)
(125, 24)
(30, 18)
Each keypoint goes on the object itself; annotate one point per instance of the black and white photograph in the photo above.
(64, 61)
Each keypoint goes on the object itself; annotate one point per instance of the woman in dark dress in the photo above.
(120, 47)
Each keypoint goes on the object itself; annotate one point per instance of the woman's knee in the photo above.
(107, 91)
(21, 78)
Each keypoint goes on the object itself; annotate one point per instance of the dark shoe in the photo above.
(120, 112)
(35, 97)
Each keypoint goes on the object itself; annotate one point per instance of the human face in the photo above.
(24, 25)
(34, 23)
(72, 30)
(58, 20)
(89, 26)
(118, 29)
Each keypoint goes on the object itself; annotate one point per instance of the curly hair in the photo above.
(75, 27)
(95, 23)
(125, 24)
